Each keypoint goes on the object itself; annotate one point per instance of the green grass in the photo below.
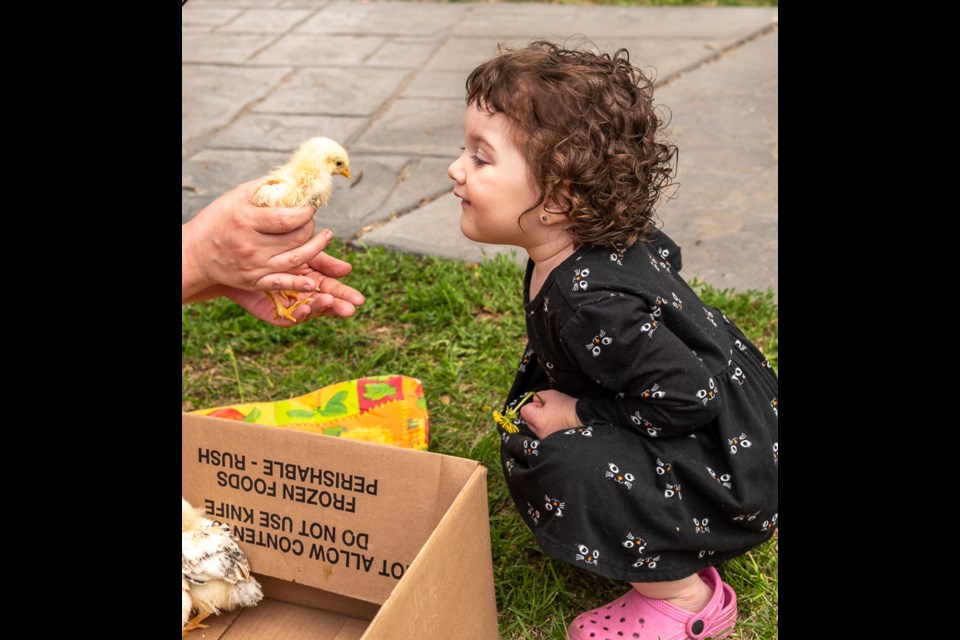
(459, 328)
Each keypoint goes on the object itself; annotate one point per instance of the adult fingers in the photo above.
(301, 254)
(276, 281)
(280, 220)
(341, 291)
(330, 266)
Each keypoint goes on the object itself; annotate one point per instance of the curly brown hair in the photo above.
(587, 128)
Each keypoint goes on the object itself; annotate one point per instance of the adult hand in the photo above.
(329, 297)
(554, 411)
(234, 243)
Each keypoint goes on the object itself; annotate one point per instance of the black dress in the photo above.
(675, 465)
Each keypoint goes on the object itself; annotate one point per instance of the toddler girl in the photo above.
(649, 452)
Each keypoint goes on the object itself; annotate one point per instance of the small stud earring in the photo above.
(544, 218)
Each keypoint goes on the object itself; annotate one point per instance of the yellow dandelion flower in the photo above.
(507, 425)
(506, 418)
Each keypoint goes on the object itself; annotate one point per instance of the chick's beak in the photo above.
(345, 172)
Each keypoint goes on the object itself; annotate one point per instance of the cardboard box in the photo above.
(349, 539)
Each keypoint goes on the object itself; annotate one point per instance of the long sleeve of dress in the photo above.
(649, 377)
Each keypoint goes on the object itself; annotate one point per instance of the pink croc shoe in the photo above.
(636, 617)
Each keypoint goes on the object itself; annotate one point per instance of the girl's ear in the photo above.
(549, 216)
(552, 212)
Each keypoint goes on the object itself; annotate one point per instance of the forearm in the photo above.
(192, 279)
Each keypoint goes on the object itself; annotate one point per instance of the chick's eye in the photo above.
(339, 163)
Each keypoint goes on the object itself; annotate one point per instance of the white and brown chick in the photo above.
(216, 575)
(306, 179)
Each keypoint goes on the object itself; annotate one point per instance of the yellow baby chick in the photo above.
(306, 179)
(215, 572)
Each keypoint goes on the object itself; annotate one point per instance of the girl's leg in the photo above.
(690, 593)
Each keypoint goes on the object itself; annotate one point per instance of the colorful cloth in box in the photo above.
(385, 409)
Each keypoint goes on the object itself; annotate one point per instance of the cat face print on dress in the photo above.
(589, 557)
(599, 341)
(738, 375)
(664, 254)
(533, 513)
(710, 317)
(634, 542)
(554, 505)
(708, 394)
(672, 489)
(771, 523)
(586, 432)
(649, 327)
(647, 563)
(653, 392)
(663, 468)
(580, 279)
(638, 420)
(739, 442)
(525, 361)
(722, 480)
(613, 471)
(701, 525)
(530, 447)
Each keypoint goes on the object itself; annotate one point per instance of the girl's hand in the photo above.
(554, 411)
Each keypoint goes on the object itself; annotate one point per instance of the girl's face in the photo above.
(493, 183)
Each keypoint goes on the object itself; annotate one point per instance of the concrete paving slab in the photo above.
(284, 132)
(517, 20)
(385, 18)
(212, 172)
(266, 21)
(729, 23)
(211, 96)
(196, 28)
(445, 85)
(351, 209)
(464, 54)
(725, 123)
(221, 47)
(208, 16)
(306, 4)
(327, 52)
(417, 126)
(402, 53)
(422, 180)
(336, 91)
(193, 4)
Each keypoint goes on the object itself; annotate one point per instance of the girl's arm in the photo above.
(648, 377)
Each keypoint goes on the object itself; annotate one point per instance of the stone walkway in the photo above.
(386, 79)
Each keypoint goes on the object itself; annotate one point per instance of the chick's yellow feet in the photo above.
(194, 623)
(280, 300)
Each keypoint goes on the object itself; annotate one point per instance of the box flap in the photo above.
(339, 515)
(448, 590)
